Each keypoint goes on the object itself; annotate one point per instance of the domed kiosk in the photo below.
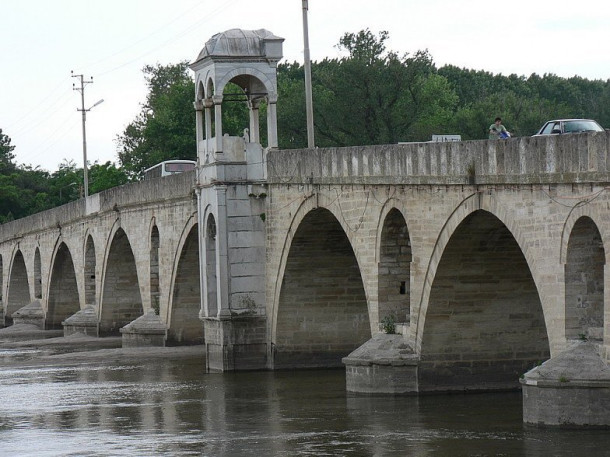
(247, 58)
(231, 191)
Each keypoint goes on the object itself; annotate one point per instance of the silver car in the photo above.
(560, 126)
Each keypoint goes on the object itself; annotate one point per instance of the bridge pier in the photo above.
(85, 321)
(146, 331)
(30, 314)
(570, 390)
(383, 365)
(235, 343)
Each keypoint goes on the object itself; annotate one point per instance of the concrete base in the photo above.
(570, 390)
(30, 314)
(235, 343)
(385, 364)
(146, 331)
(83, 322)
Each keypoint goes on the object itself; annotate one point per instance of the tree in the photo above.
(165, 128)
(374, 97)
(6, 154)
(105, 176)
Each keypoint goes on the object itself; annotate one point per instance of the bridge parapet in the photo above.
(141, 193)
(527, 160)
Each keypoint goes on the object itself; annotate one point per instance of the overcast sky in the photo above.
(41, 41)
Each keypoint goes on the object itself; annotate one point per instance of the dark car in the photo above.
(560, 126)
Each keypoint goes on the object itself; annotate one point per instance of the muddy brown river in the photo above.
(153, 407)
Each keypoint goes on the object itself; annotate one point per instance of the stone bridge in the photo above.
(121, 251)
(487, 256)
(421, 267)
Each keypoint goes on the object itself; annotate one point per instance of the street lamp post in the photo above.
(308, 90)
(82, 109)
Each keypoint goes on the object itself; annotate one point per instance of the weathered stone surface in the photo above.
(384, 364)
(571, 389)
(235, 343)
(30, 314)
(146, 330)
(85, 321)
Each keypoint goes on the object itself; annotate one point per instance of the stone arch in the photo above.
(576, 213)
(63, 299)
(469, 204)
(37, 274)
(200, 91)
(245, 75)
(184, 324)
(394, 258)
(18, 286)
(584, 281)
(121, 300)
(211, 298)
(209, 86)
(322, 312)
(484, 324)
(90, 271)
(155, 291)
(2, 308)
(308, 204)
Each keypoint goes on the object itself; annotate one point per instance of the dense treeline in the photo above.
(25, 190)
(373, 96)
(370, 96)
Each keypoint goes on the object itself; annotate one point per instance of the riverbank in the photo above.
(25, 345)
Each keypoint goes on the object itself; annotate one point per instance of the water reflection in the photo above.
(173, 408)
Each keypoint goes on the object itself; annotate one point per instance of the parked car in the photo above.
(560, 126)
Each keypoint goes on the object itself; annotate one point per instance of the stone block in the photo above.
(84, 321)
(30, 314)
(147, 330)
(570, 390)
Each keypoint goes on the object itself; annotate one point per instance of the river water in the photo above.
(171, 407)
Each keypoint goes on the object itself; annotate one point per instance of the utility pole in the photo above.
(308, 95)
(82, 109)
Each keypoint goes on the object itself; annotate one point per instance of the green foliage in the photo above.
(388, 324)
(372, 95)
(165, 128)
(105, 176)
(6, 154)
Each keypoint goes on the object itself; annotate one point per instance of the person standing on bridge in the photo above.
(497, 130)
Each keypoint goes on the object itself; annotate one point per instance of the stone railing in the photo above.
(526, 160)
(177, 186)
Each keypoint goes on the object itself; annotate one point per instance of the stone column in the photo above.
(217, 99)
(254, 121)
(272, 121)
(208, 104)
(198, 105)
(222, 253)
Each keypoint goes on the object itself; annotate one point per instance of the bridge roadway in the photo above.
(489, 256)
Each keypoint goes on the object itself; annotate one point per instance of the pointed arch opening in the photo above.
(37, 275)
(121, 301)
(90, 264)
(322, 314)
(63, 290)
(155, 291)
(185, 326)
(210, 267)
(584, 282)
(18, 294)
(484, 325)
(394, 269)
(2, 308)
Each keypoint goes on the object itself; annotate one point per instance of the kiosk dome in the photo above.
(235, 43)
